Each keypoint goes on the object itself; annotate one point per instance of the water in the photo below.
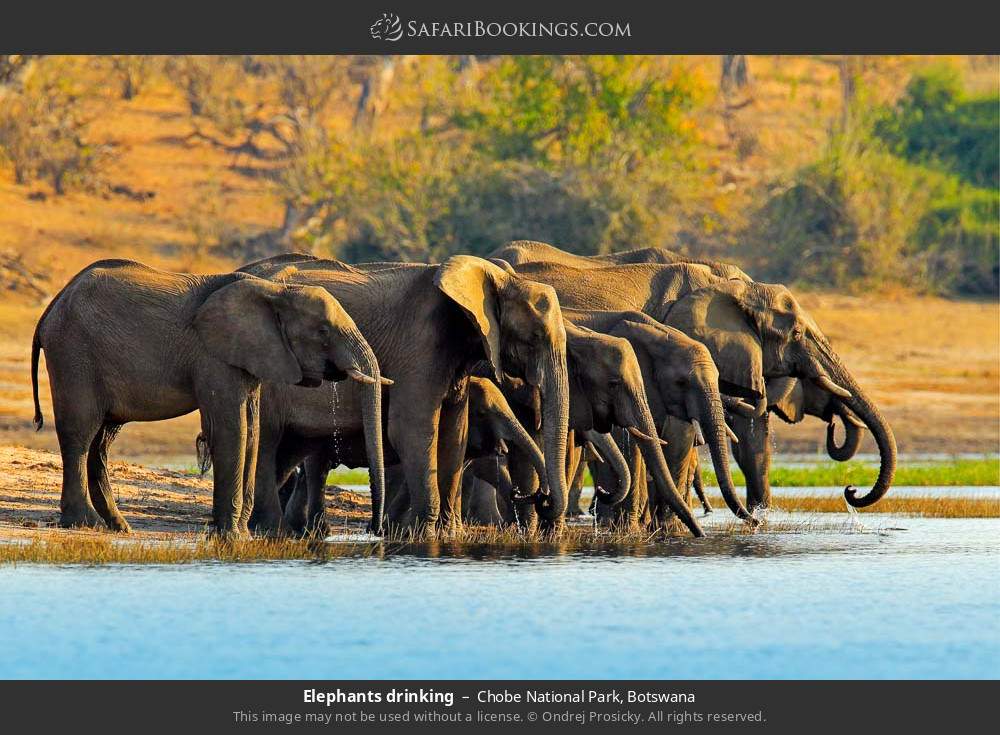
(824, 602)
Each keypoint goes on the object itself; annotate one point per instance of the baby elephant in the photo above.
(125, 342)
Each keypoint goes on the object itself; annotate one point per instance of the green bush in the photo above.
(909, 197)
(936, 123)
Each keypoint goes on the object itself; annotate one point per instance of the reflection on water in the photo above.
(814, 597)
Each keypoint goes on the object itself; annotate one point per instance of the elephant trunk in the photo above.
(652, 454)
(852, 438)
(555, 426)
(868, 412)
(513, 431)
(709, 407)
(366, 371)
(612, 455)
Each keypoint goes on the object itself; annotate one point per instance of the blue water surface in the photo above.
(823, 602)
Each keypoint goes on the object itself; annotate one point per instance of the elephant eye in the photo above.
(797, 334)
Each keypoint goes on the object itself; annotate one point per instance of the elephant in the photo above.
(492, 424)
(519, 252)
(790, 399)
(429, 326)
(125, 342)
(607, 389)
(754, 331)
(681, 381)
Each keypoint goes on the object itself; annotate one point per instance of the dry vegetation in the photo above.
(932, 363)
(169, 513)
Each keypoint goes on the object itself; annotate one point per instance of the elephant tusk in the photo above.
(699, 438)
(366, 379)
(594, 453)
(360, 376)
(739, 406)
(823, 381)
(850, 417)
(732, 434)
(601, 491)
(502, 446)
(639, 435)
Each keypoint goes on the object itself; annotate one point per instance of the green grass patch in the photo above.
(972, 472)
(953, 472)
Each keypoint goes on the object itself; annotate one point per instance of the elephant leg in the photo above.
(414, 436)
(576, 488)
(287, 488)
(252, 419)
(99, 481)
(224, 414)
(77, 423)
(278, 455)
(524, 482)
(453, 433)
(316, 468)
(699, 482)
(294, 511)
(753, 455)
(504, 495)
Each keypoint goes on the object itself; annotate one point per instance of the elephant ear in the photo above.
(715, 316)
(472, 284)
(786, 397)
(645, 340)
(239, 325)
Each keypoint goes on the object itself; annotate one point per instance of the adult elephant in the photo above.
(607, 389)
(754, 331)
(126, 342)
(429, 326)
(519, 252)
(791, 400)
(681, 381)
(493, 431)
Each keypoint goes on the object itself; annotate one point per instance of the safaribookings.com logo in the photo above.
(387, 28)
(390, 28)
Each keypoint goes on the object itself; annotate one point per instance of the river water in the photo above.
(826, 597)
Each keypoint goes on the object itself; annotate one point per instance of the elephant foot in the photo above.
(707, 508)
(118, 524)
(268, 526)
(85, 517)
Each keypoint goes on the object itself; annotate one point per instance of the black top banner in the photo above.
(450, 27)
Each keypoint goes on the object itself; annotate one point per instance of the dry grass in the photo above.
(928, 507)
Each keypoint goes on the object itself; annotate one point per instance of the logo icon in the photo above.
(387, 28)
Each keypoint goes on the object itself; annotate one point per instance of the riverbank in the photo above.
(169, 512)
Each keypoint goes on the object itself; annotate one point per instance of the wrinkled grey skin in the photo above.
(519, 252)
(493, 430)
(125, 342)
(791, 400)
(753, 330)
(429, 326)
(681, 381)
(606, 390)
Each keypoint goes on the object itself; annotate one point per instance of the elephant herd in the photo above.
(475, 390)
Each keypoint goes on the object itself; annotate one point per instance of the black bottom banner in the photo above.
(493, 706)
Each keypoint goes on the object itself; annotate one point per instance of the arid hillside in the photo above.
(179, 201)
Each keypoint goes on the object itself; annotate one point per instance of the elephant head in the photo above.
(682, 381)
(607, 390)
(492, 424)
(792, 400)
(297, 335)
(757, 331)
(521, 327)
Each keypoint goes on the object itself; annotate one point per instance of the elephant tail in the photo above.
(36, 348)
(203, 451)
